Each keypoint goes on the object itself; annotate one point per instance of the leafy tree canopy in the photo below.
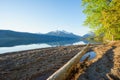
(103, 17)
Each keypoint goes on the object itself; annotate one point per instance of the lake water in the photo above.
(13, 46)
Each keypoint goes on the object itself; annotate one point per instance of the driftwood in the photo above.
(64, 72)
(114, 74)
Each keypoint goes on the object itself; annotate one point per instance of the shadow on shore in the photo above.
(99, 69)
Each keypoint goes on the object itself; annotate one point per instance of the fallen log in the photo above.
(64, 72)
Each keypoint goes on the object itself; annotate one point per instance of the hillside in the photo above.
(90, 34)
(7, 34)
(12, 38)
(63, 34)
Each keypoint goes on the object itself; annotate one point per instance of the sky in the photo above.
(42, 16)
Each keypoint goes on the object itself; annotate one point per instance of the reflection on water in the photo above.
(32, 46)
(81, 42)
(20, 45)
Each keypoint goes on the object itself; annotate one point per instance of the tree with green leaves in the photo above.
(103, 17)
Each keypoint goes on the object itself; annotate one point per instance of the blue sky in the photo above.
(42, 16)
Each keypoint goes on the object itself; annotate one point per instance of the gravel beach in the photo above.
(39, 64)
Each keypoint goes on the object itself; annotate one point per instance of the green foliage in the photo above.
(103, 17)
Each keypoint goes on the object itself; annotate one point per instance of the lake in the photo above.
(15, 46)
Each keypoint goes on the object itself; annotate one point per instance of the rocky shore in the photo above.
(39, 64)
(36, 64)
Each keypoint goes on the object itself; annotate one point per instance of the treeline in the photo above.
(103, 17)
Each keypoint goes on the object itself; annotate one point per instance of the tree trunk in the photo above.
(112, 37)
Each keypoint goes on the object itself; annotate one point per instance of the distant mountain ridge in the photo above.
(10, 38)
(90, 34)
(15, 34)
(63, 34)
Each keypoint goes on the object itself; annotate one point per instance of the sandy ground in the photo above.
(106, 66)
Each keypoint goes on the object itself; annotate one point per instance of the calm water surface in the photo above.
(22, 47)
(35, 46)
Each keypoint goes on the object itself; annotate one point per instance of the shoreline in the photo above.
(37, 63)
(21, 51)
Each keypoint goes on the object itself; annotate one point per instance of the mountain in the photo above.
(90, 34)
(12, 38)
(63, 34)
